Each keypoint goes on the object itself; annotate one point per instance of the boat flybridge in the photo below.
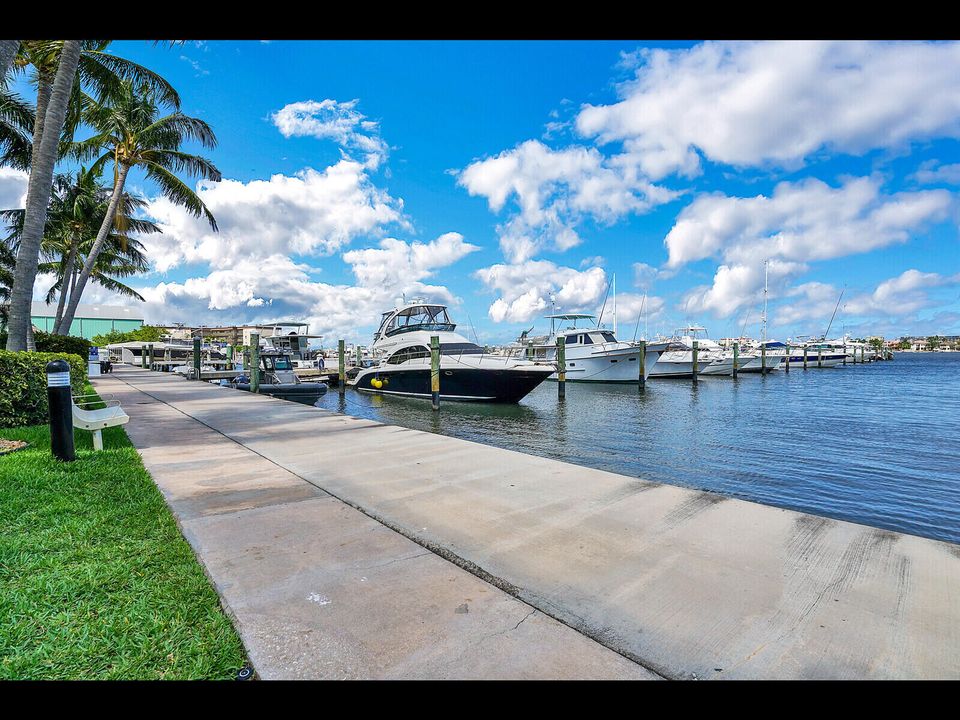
(295, 342)
(592, 354)
(467, 372)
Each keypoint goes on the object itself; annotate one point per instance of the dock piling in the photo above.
(696, 352)
(529, 349)
(643, 363)
(196, 358)
(736, 358)
(786, 360)
(845, 354)
(435, 371)
(230, 357)
(341, 369)
(763, 359)
(819, 357)
(150, 351)
(562, 366)
(143, 356)
(805, 349)
(255, 362)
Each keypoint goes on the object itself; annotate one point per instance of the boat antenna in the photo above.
(475, 337)
(834, 313)
(744, 328)
(604, 306)
(639, 315)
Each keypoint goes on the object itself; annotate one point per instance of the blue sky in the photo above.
(496, 175)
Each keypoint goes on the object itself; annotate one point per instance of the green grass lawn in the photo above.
(96, 580)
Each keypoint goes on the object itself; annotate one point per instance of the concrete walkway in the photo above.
(686, 583)
(317, 589)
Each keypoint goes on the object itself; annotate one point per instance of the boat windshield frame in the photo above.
(434, 318)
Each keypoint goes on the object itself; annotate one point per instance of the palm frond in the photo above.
(177, 161)
(181, 127)
(143, 78)
(178, 193)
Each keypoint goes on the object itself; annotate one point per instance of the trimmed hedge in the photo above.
(50, 343)
(23, 385)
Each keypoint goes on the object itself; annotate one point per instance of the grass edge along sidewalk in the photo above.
(98, 582)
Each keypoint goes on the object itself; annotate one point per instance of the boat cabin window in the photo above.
(276, 362)
(420, 317)
(603, 337)
(572, 339)
(460, 349)
(408, 353)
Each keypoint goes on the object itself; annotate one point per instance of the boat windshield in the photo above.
(420, 317)
(276, 362)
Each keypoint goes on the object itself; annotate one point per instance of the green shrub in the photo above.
(48, 342)
(23, 385)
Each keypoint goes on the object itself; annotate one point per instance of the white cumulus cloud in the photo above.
(308, 213)
(333, 120)
(799, 223)
(776, 103)
(554, 191)
(526, 289)
(13, 188)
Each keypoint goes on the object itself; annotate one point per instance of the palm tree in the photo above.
(133, 136)
(103, 73)
(16, 120)
(38, 195)
(8, 50)
(76, 213)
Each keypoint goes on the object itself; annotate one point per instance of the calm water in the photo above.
(877, 444)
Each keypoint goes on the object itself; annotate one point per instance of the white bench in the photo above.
(97, 420)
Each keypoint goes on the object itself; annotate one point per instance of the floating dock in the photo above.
(674, 583)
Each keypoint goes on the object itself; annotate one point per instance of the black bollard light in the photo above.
(61, 410)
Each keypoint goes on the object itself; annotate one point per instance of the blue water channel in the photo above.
(877, 444)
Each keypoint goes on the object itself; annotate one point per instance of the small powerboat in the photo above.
(278, 379)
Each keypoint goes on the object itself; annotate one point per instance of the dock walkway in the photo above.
(463, 557)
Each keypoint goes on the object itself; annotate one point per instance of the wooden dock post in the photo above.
(341, 369)
(435, 371)
(763, 358)
(196, 358)
(529, 349)
(805, 349)
(643, 363)
(786, 360)
(844, 353)
(255, 362)
(230, 357)
(562, 366)
(143, 356)
(736, 358)
(819, 357)
(696, 352)
(150, 350)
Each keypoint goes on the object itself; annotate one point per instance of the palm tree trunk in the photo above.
(67, 275)
(31, 343)
(38, 196)
(105, 228)
(8, 50)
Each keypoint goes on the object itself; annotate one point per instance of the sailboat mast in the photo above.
(614, 304)
(763, 332)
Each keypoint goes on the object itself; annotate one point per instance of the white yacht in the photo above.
(591, 354)
(776, 353)
(819, 354)
(679, 362)
(467, 372)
